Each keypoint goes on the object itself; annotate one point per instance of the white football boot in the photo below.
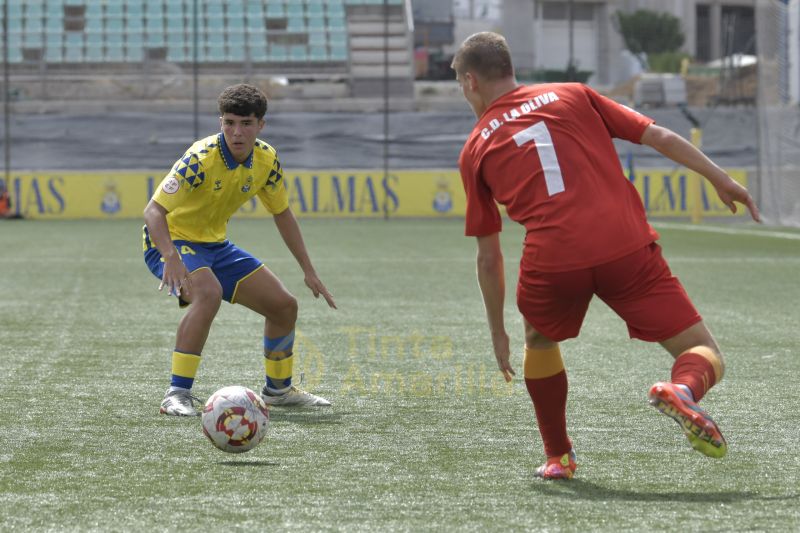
(179, 402)
(294, 397)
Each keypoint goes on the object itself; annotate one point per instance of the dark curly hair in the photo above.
(243, 100)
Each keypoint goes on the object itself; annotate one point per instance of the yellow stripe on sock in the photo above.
(279, 370)
(712, 357)
(542, 362)
(185, 364)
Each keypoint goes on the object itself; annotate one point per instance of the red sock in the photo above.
(694, 371)
(549, 397)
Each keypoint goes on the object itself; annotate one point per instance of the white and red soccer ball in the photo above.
(235, 419)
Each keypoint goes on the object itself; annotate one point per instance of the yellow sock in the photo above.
(542, 362)
(184, 369)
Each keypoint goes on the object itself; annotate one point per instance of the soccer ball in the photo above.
(235, 419)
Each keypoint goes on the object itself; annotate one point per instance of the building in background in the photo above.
(433, 38)
(543, 36)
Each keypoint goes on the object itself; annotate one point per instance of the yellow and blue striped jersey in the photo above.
(207, 185)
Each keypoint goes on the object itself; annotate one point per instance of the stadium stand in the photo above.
(301, 38)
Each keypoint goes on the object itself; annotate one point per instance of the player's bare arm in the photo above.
(675, 147)
(291, 235)
(175, 274)
(491, 279)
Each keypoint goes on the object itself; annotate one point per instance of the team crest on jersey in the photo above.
(248, 184)
(217, 185)
(171, 185)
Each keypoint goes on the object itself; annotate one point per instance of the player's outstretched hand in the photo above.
(317, 288)
(502, 352)
(731, 192)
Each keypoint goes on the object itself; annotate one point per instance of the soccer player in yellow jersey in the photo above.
(186, 248)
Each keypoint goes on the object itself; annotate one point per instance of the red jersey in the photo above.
(545, 152)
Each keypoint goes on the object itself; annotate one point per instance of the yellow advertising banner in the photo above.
(330, 193)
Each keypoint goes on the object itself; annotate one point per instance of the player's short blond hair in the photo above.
(486, 54)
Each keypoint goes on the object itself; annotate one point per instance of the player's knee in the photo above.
(284, 311)
(289, 308)
(207, 296)
(534, 339)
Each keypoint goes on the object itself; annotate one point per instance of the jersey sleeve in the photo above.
(186, 175)
(621, 121)
(274, 195)
(482, 214)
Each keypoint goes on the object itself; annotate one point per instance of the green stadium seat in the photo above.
(215, 54)
(256, 35)
(53, 25)
(236, 38)
(34, 11)
(234, 15)
(316, 9)
(258, 51)
(73, 47)
(35, 24)
(236, 53)
(114, 39)
(316, 23)
(113, 24)
(277, 52)
(135, 39)
(177, 54)
(318, 53)
(53, 54)
(29, 39)
(154, 24)
(295, 10)
(134, 53)
(297, 24)
(176, 38)
(215, 23)
(275, 10)
(94, 24)
(154, 39)
(254, 9)
(336, 23)
(254, 22)
(215, 39)
(14, 11)
(338, 36)
(317, 36)
(114, 10)
(94, 39)
(133, 23)
(114, 53)
(298, 52)
(54, 40)
(338, 52)
(94, 52)
(134, 8)
(175, 21)
(335, 10)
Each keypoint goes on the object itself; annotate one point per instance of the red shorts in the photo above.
(639, 287)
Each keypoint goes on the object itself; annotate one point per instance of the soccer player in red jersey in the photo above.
(545, 152)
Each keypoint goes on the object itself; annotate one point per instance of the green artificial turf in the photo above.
(423, 434)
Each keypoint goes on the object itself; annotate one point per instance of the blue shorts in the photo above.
(230, 264)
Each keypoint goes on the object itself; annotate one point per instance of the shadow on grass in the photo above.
(306, 416)
(584, 490)
(251, 463)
